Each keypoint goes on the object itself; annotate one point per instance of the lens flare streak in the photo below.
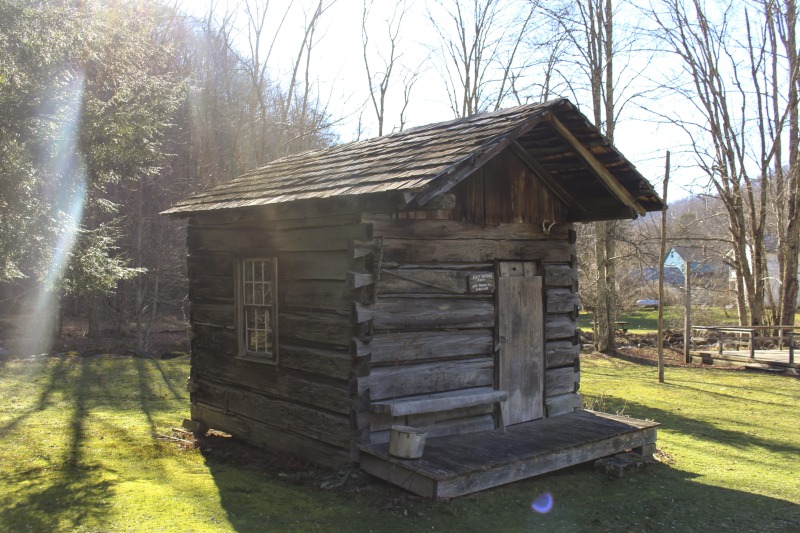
(66, 191)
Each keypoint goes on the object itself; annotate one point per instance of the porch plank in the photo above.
(475, 481)
(454, 465)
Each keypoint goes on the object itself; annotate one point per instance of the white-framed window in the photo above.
(258, 309)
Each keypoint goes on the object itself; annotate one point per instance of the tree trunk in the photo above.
(96, 307)
(138, 250)
(791, 246)
(741, 304)
(606, 288)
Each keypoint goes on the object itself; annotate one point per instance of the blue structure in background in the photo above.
(701, 265)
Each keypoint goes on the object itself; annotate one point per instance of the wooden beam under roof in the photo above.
(544, 175)
(597, 168)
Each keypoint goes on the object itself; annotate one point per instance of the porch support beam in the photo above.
(597, 168)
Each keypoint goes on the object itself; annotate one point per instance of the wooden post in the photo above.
(660, 337)
(687, 314)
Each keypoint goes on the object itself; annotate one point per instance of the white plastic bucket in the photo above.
(406, 442)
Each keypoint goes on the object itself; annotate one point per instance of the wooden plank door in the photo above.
(520, 323)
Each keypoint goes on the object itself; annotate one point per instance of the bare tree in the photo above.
(389, 52)
(594, 47)
(479, 50)
(279, 118)
(731, 103)
(552, 64)
(258, 13)
(287, 135)
(781, 24)
(599, 52)
(410, 78)
(378, 82)
(219, 121)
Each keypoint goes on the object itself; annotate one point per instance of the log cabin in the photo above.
(426, 278)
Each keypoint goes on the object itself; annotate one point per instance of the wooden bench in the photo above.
(442, 401)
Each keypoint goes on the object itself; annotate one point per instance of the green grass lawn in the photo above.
(79, 451)
(642, 321)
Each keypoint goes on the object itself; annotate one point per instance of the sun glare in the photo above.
(67, 192)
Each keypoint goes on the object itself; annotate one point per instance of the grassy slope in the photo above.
(78, 452)
(643, 321)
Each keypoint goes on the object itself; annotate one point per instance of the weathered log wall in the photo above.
(562, 349)
(424, 318)
(378, 306)
(432, 335)
(304, 404)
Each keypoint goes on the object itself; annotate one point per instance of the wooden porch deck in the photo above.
(454, 465)
(775, 360)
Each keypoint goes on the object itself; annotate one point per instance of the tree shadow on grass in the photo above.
(152, 379)
(660, 498)
(145, 393)
(167, 379)
(703, 387)
(696, 428)
(268, 490)
(64, 496)
(57, 377)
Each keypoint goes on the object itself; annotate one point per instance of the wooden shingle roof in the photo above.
(560, 145)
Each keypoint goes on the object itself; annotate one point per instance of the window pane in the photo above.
(257, 341)
(258, 329)
(266, 294)
(250, 320)
(248, 293)
(258, 300)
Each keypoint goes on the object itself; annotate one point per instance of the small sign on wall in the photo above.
(482, 282)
